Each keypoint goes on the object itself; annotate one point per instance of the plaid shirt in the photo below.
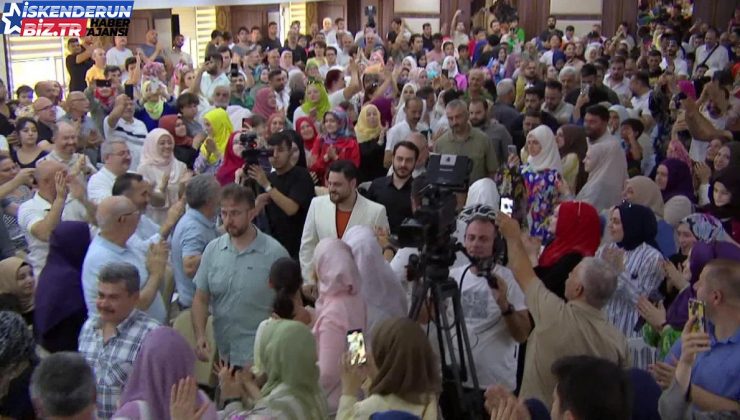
(112, 361)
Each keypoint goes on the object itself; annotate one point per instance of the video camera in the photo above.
(252, 151)
(434, 222)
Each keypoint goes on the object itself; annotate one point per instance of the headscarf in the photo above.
(606, 179)
(168, 123)
(261, 104)
(404, 360)
(290, 355)
(549, 157)
(706, 228)
(342, 122)
(363, 131)
(164, 359)
(578, 229)
(222, 129)
(558, 55)
(575, 142)
(59, 288)
(9, 282)
(16, 341)
(450, 64)
(679, 182)
(284, 64)
(409, 62)
(150, 152)
(384, 106)
(401, 107)
(701, 254)
(734, 162)
(676, 150)
(621, 111)
(483, 191)
(380, 288)
(647, 193)
(730, 178)
(336, 269)
(153, 109)
(308, 143)
(321, 106)
(268, 123)
(226, 172)
(510, 66)
(433, 69)
(639, 226)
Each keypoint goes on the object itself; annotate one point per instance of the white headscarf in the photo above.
(401, 107)
(608, 173)
(549, 156)
(379, 288)
(450, 64)
(483, 191)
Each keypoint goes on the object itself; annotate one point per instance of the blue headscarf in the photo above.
(639, 225)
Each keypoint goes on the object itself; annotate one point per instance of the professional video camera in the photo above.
(431, 231)
(252, 151)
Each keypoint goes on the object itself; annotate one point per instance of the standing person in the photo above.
(371, 137)
(117, 55)
(572, 146)
(336, 144)
(288, 192)
(121, 121)
(233, 279)
(78, 62)
(110, 340)
(394, 191)
(193, 232)
(636, 257)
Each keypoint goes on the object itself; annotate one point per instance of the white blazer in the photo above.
(321, 222)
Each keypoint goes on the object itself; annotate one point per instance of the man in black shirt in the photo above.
(551, 30)
(271, 41)
(299, 54)
(289, 191)
(426, 37)
(78, 63)
(394, 191)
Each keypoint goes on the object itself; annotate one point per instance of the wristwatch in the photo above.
(509, 310)
(268, 188)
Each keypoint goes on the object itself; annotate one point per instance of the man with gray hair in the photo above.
(462, 139)
(575, 327)
(503, 110)
(63, 386)
(193, 232)
(568, 77)
(116, 162)
(118, 218)
(111, 338)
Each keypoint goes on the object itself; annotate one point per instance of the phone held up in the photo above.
(697, 309)
(356, 346)
(129, 91)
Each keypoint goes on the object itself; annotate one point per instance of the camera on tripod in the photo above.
(434, 222)
(252, 151)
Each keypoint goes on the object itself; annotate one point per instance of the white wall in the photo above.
(576, 7)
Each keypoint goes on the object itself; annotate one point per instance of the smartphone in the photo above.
(129, 90)
(697, 310)
(585, 88)
(356, 346)
(234, 69)
(511, 149)
(102, 83)
(507, 206)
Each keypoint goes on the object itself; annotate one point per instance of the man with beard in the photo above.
(239, 94)
(402, 129)
(463, 139)
(78, 62)
(233, 280)
(329, 216)
(277, 80)
(551, 30)
(394, 191)
(496, 132)
(211, 74)
(177, 55)
(288, 192)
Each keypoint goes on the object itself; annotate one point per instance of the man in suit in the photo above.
(329, 216)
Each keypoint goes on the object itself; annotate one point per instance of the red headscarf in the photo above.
(578, 230)
(168, 122)
(232, 162)
(308, 144)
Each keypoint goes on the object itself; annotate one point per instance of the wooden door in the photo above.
(249, 16)
(141, 23)
(332, 9)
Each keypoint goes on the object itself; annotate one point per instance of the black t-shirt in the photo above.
(397, 202)
(77, 73)
(428, 44)
(270, 44)
(299, 54)
(297, 185)
(45, 132)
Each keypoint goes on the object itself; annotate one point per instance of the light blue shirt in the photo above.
(193, 232)
(147, 234)
(240, 295)
(103, 252)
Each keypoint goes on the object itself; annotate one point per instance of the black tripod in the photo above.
(437, 284)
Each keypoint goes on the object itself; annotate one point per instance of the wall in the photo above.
(187, 28)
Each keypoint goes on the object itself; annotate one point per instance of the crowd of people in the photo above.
(195, 237)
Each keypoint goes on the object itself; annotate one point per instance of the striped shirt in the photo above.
(134, 132)
(112, 361)
(642, 274)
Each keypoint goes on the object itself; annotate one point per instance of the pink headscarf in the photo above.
(687, 88)
(150, 154)
(338, 310)
(676, 150)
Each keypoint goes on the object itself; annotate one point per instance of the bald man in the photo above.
(97, 71)
(64, 151)
(46, 116)
(89, 136)
(57, 198)
(152, 50)
(117, 217)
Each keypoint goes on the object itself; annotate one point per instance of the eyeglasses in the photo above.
(128, 214)
(45, 108)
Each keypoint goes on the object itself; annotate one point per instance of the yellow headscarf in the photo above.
(363, 131)
(222, 129)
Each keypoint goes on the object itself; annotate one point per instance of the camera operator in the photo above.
(494, 310)
(288, 192)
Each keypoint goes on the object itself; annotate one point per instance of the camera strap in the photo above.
(708, 56)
